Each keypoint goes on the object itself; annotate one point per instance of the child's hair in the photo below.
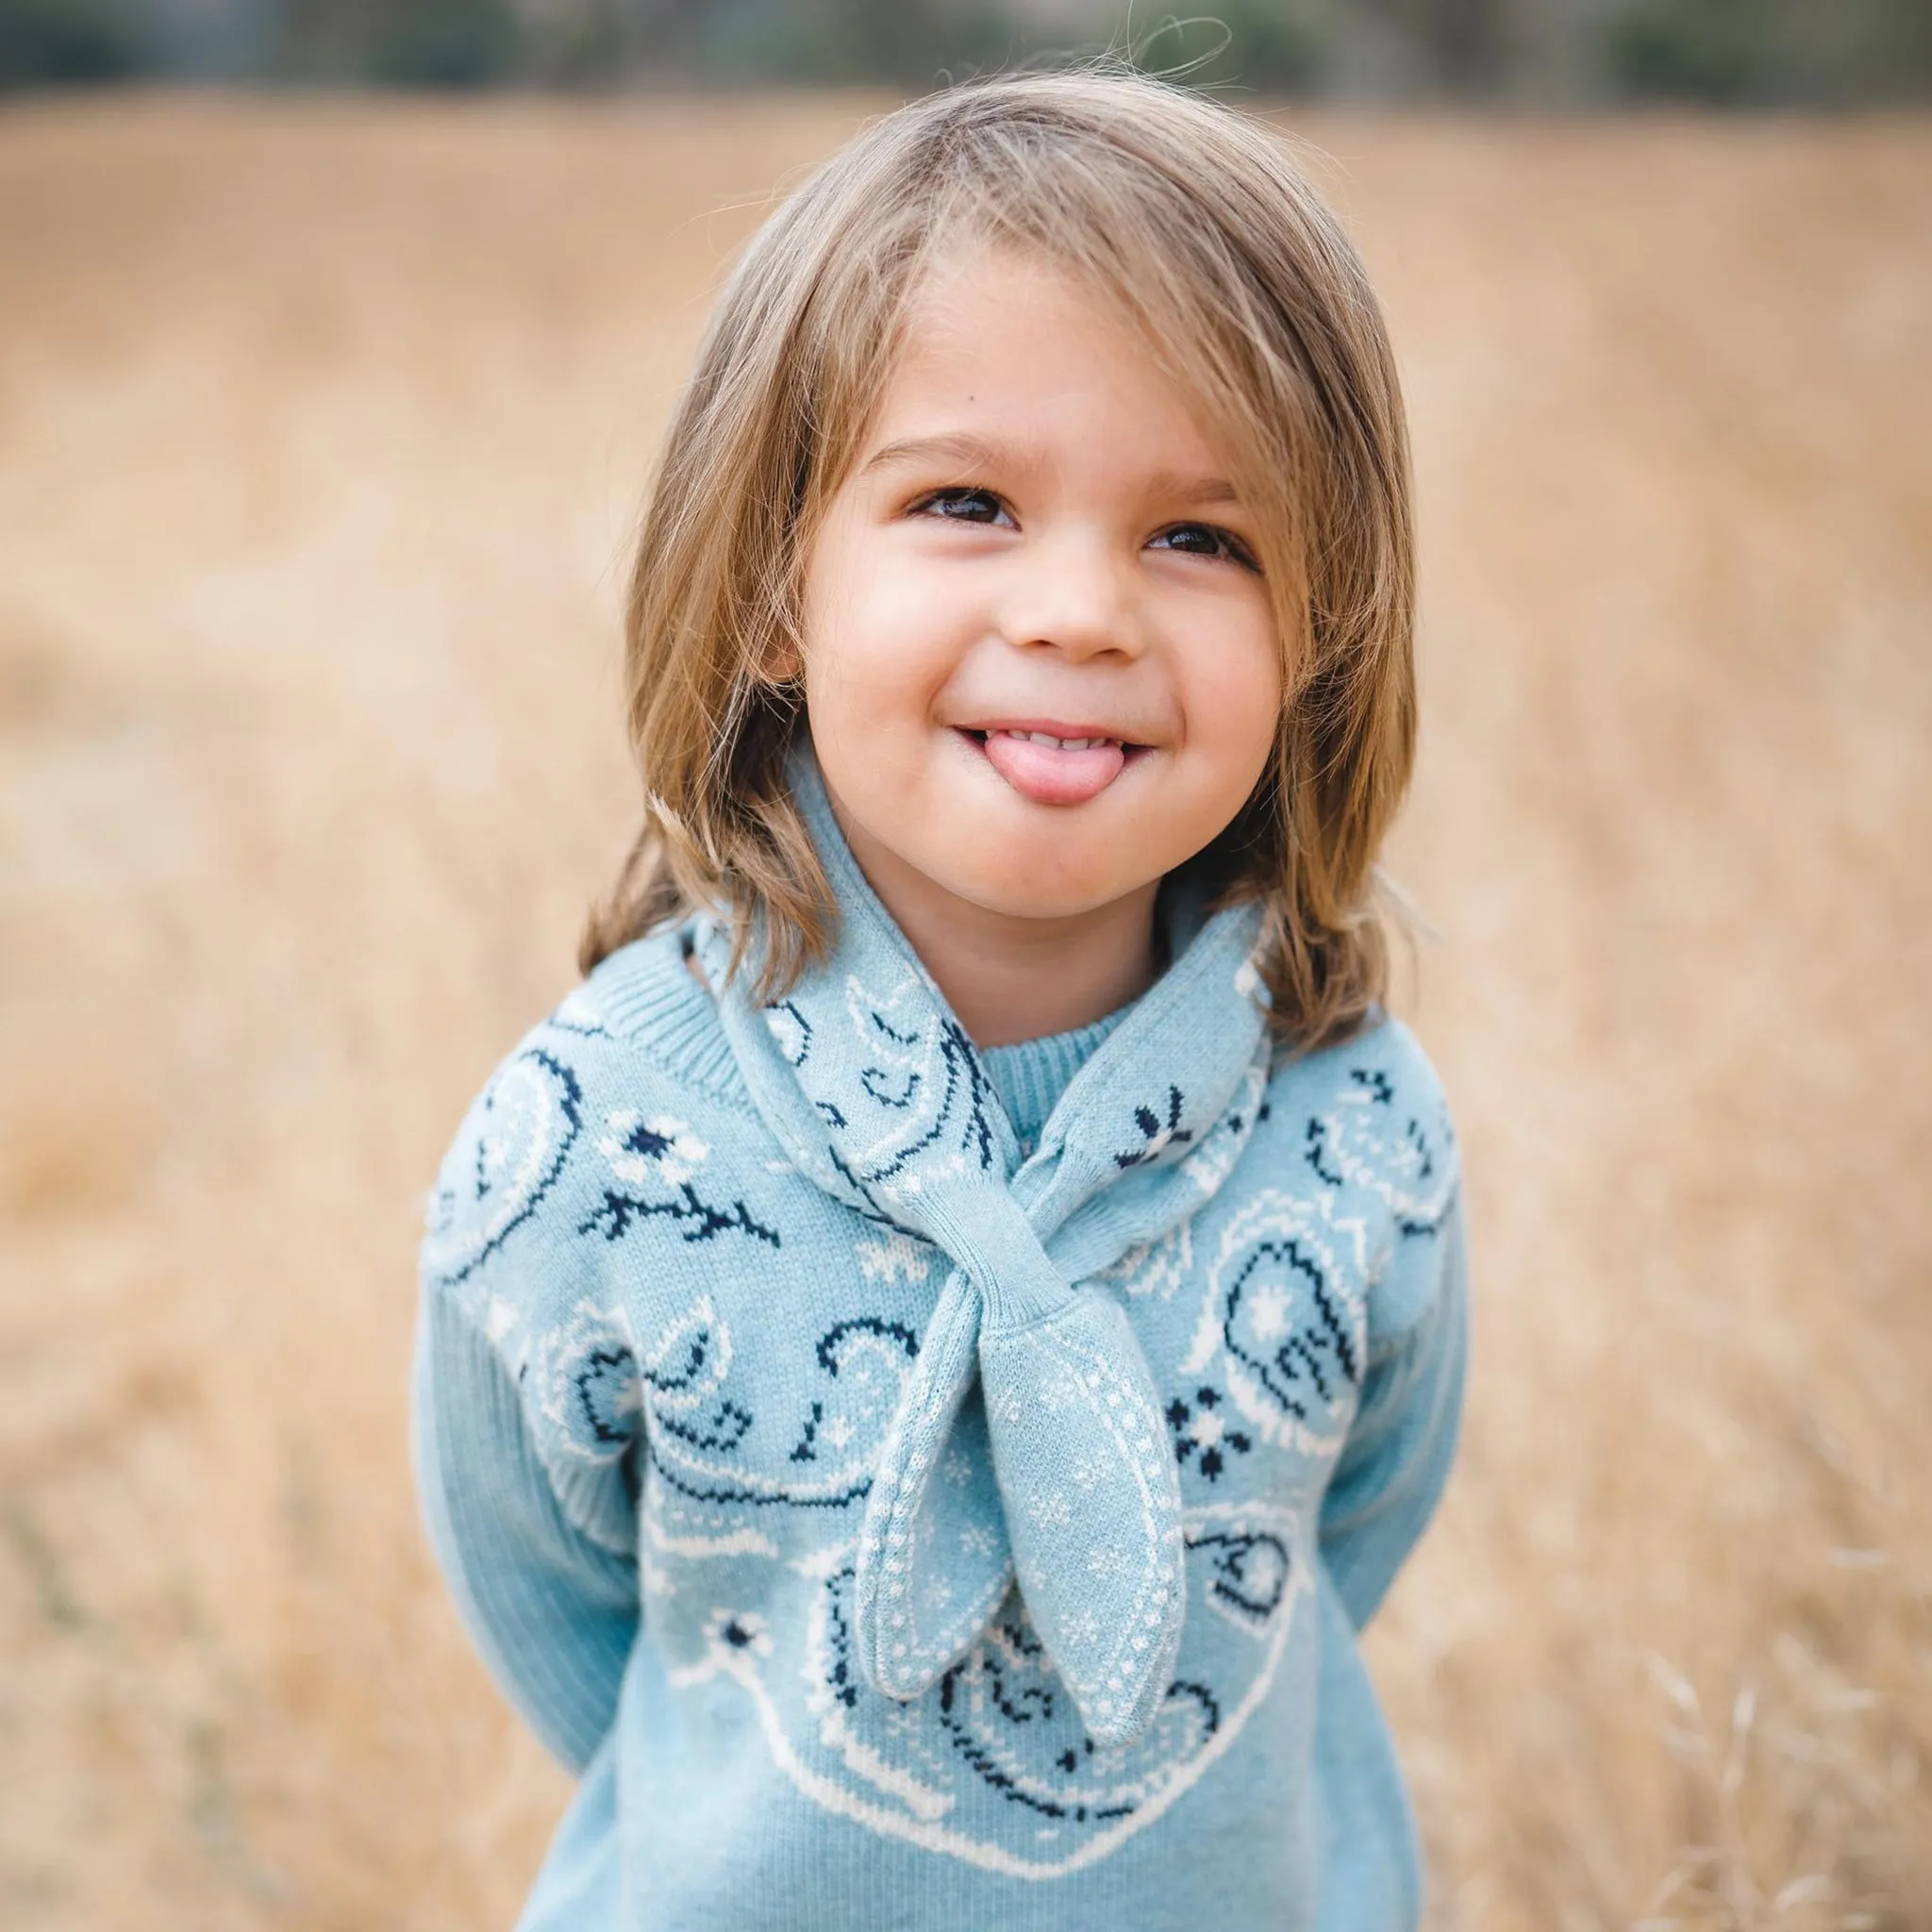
(1195, 222)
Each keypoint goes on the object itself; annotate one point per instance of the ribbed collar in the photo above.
(1030, 1075)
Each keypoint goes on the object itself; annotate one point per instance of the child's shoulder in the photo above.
(629, 1071)
(1367, 1124)
(1382, 1065)
(644, 1007)
(640, 1025)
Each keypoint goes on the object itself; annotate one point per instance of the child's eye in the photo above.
(961, 505)
(1207, 539)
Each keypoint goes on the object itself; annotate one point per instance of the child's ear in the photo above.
(783, 662)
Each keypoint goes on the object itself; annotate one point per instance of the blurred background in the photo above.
(1813, 52)
(335, 340)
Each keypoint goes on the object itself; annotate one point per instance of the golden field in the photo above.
(321, 429)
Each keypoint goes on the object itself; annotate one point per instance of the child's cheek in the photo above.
(1234, 691)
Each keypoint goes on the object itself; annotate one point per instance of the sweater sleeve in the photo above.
(553, 1613)
(525, 1429)
(1396, 1461)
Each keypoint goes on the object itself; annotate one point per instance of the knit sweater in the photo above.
(660, 1365)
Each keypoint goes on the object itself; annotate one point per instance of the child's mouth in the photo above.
(1053, 768)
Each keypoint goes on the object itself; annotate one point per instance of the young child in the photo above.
(931, 1354)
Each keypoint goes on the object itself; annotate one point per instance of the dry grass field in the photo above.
(321, 429)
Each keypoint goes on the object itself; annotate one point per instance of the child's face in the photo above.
(1035, 538)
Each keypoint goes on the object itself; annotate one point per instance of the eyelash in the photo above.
(947, 504)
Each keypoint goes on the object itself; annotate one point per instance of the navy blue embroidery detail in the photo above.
(1210, 1709)
(806, 1448)
(891, 1032)
(1381, 1092)
(803, 1025)
(1156, 1133)
(733, 1492)
(647, 1141)
(698, 1356)
(831, 1353)
(727, 1425)
(842, 1678)
(833, 1339)
(868, 1205)
(1250, 1570)
(1427, 1230)
(1036, 1700)
(615, 1218)
(832, 1112)
(569, 1099)
(1037, 1704)
(873, 1079)
(975, 1754)
(602, 1385)
(964, 1105)
(1425, 1174)
(1314, 1352)
(1200, 1428)
(1029, 1707)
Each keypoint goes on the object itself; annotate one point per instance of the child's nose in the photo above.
(1077, 598)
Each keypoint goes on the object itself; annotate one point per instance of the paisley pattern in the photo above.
(583, 1377)
(817, 1451)
(506, 1156)
(1283, 1320)
(994, 1765)
(1402, 1155)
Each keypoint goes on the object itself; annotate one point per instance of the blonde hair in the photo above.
(1195, 221)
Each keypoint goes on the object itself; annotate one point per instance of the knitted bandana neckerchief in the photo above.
(1052, 1463)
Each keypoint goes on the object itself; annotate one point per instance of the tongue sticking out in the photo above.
(1052, 775)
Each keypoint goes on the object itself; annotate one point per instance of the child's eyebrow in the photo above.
(953, 447)
(975, 452)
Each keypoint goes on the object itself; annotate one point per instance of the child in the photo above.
(930, 1355)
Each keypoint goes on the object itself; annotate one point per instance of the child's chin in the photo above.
(1025, 887)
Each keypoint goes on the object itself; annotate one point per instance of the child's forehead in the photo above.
(974, 288)
(993, 327)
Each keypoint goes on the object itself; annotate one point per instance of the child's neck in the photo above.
(1007, 977)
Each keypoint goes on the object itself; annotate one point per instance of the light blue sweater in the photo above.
(746, 1332)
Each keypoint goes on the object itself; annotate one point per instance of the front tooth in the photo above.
(1041, 738)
